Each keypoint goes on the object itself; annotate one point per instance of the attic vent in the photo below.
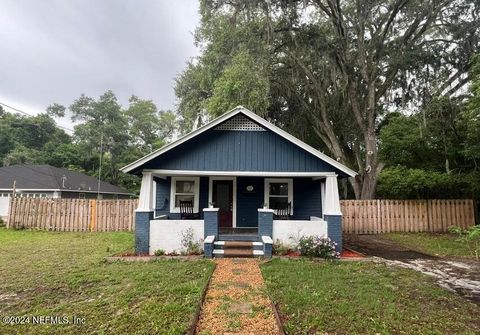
(240, 123)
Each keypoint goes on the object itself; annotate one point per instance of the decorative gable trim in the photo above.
(264, 123)
(239, 123)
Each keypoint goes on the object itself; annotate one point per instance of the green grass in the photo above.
(432, 244)
(364, 298)
(64, 274)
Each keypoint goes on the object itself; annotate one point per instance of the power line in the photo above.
(27, 114)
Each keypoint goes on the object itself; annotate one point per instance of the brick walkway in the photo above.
(236, 302)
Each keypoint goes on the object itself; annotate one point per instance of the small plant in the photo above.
(159, 252)
(173, 253)
(316, 246)
(280, 248)
(191, 247)
(2, 223)
(470, 237)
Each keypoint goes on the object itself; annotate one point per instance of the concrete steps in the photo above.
(239, 237)
(232, 248)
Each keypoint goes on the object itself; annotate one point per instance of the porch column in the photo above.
(210, 230)
(331, 211)
(143, 214)
(210, 218)
(265, 222)
(265, 230)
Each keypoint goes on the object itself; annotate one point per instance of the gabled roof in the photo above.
(46, 177)
(239, 110)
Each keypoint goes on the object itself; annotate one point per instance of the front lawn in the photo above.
(364, 298)
(432, 244)
(64, 274)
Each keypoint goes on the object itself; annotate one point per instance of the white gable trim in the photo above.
(254, 117)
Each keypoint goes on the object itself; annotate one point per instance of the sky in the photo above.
(55, 50)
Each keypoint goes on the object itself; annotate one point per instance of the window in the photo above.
(278, 193)
(81, 195)
(184, 189)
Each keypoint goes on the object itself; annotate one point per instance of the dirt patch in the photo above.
(460, 276)
(375, 245)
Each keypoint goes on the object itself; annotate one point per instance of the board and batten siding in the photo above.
(248, 203)
(162, 197)
(224, 150)
(307, 200)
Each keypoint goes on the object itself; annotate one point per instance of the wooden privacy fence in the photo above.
(72, 214)
(383, 216)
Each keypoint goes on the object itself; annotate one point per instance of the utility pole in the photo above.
(100, 167)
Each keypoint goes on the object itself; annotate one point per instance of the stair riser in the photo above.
(250, 247)
(237, 256)
(239, 237)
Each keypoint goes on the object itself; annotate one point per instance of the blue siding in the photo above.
(220, 150)
(162, 203)
(249, 203)
(203, 199)
(307, 198)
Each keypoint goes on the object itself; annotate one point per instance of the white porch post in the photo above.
(332, 213)
(145, 201)
(331, 200)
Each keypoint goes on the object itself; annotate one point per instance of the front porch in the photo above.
(235, 212)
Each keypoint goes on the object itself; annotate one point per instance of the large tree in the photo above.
(336, 68)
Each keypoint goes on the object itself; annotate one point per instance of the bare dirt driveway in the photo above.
(458, 275)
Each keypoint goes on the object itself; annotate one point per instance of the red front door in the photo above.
(222, 197)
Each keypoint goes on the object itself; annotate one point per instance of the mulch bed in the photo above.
(151, 258)
(236, 301)
(348, 253)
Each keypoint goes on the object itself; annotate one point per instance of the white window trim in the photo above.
(234, 197)
(266, 192)
(196, 193)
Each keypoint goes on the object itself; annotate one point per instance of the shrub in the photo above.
(159, 252)
(279, 248)
(316, 246)
(191, 247)
(470, 236)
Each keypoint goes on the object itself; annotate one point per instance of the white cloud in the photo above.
(52, 51)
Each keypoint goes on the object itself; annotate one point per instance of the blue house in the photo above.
(236, 185)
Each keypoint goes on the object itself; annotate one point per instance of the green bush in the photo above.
(191, 247)
(315, 246)
(279, 248)
(159, 252)
(403, 183)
